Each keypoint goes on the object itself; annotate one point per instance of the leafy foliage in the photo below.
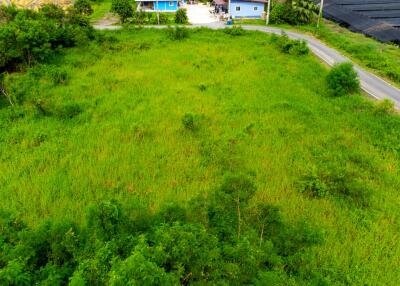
(123, 8)
(384, 107)
(110, 250)
(181, 16)
(149, 18)
(83, 7)
(234, 31)
(343, 79)
(305, 11)
(29, 36)
(294, 12)
(289, 46)
(178, 33)
(188, 121)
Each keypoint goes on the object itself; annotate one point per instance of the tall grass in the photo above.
(114, 130)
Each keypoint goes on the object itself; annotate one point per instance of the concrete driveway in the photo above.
(200, 14)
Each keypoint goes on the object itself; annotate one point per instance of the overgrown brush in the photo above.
(289, 46)
(294, 12)
(223, 241)
(235, 31)
(181, 16)
(29, 36)
(178, 33)
(343, 79)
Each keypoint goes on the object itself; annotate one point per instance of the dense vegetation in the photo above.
(293, 12)
(343, 79)
(383, 59)
(221, 241)
(27, 37)
(223, 163)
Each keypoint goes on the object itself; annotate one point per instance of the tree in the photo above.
(181, 16)
(305, 11)
(239, 190)
(268, 220)
(83, 7)
(3, 91)
(123, 8)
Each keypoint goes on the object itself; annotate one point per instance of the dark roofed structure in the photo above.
(379, 19)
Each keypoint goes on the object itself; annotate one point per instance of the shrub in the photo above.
(58, 76)
(234, 31)
(138, 270)
(83, 7)
(289, 46)
(181, 16)
(52, 11)
(138, 17)
(304, 11)
(163, 18)
(312, 184)
(31, 36)
(13, 274)
(385, 106)
(178, 33)
(68, 111)
(279, 13)
(188, 121)
(343, 79)
(293, 12)
(123, 8)
(338, 181)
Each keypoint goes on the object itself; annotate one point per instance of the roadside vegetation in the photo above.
(155, 158)
(383, 59)
(128, 14)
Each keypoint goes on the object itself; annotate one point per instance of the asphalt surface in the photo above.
(370, 83)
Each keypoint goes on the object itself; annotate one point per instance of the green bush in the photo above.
(337, 181)
(178, 33)
(279, 13)
(289, 46)
(234, 31)
(58, 76)
(83, 7)
(294, 12)
(112, 248)
(68, 111)
(188, 122)
(181, 16)
(123, 8)
(383, 107)
(30, 36)
(343, 79)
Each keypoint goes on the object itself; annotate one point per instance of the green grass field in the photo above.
(100, 9)
(106, 122)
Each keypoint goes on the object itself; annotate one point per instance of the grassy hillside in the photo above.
(382, 59)
(139, 117)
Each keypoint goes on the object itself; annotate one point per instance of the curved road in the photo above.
(370, 83)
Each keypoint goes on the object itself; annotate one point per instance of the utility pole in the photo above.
(268, 10)
(321, 7)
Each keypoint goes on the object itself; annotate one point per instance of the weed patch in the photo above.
(178, 33)
(289, 46)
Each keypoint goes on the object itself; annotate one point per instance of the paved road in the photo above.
(371, 84)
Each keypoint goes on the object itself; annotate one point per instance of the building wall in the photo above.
(246, 9)
(165, 5)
